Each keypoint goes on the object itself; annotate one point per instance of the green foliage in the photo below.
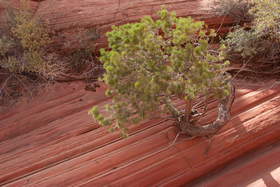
(152, 60)
(29, 56)
(23, 43)
(242, 41)
(26, 45)
(266, 17)
(262, 40)
(32, 34)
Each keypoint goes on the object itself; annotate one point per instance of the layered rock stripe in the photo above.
(51, 141)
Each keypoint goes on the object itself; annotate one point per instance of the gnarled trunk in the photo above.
(224, 109)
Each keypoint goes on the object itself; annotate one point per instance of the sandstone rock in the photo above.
(52, 141)
(66, 15)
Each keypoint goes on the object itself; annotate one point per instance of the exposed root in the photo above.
(224, 116)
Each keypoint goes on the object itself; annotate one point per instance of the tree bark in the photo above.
(224, 116)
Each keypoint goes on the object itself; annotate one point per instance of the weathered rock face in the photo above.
(68, 13)
(52, 141)
(65, 15)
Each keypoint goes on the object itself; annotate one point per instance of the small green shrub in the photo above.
(153, 60)
(28, 55)
(260, 43)
(24, 61)
(23, 43)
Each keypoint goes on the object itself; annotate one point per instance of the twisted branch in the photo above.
(224, 116)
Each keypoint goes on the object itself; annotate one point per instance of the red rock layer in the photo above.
(53, 142)
(67, 15)
(259, 168)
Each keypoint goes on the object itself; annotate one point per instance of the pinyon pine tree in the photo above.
(154, 61)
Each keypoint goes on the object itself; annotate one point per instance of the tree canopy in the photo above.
(152, 61)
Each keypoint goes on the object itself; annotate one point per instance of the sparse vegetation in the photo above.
(258, 44)
(23, 43)
(237, 9)
(154, 61)
(28, 58)
(79, 50)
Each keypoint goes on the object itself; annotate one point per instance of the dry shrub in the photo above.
(28, 59)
